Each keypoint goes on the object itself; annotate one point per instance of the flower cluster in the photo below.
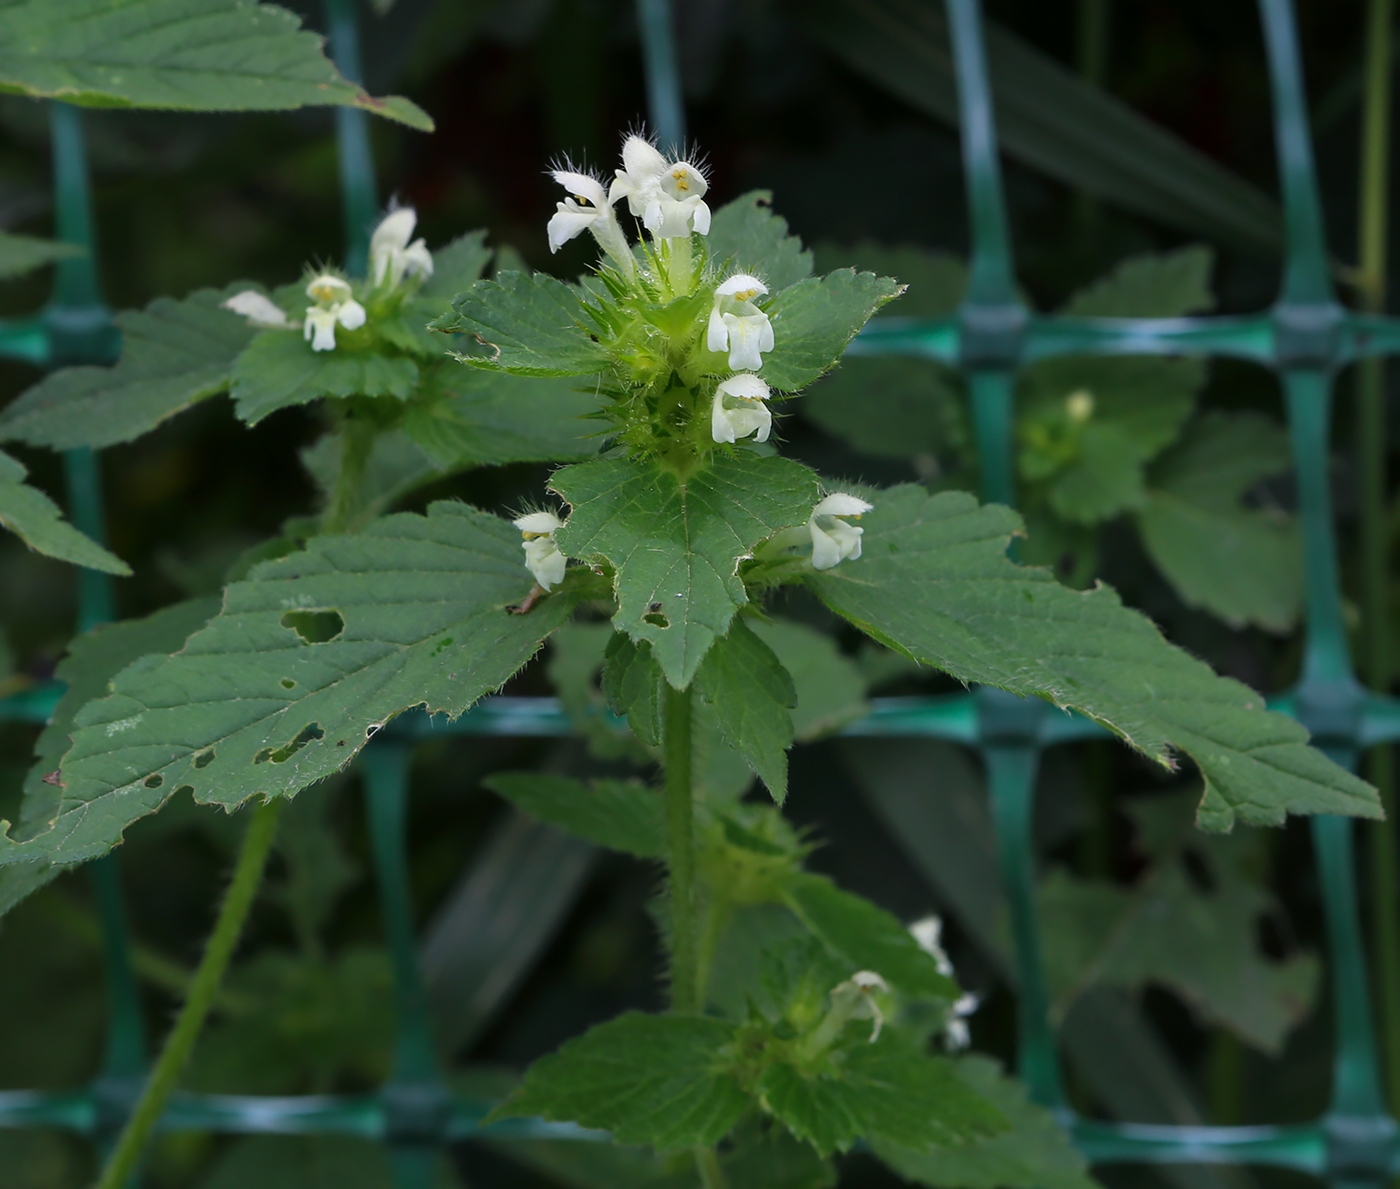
(928, 932)
(392, 259)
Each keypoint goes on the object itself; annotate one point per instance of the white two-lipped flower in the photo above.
(668, 196)
(334, 307)
(737, 325)
(833, 540)
(542, 556)
(739, 409)
(856, 999)
(928, 932)
(588, 208)
(391, 256)
(258, 309)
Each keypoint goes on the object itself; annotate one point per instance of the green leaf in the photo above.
(1242, 564)
(395, 467)
(815, 319)
(1033, 1154)
(866, 937)
(574, 665)
(829, 685)
(1049, 118)
(93, 659)
(746, 236)
(752, 696)
(891, 407)
(310, 656)
(632, 685)
(462, 417)
(37, 520)
(20, 254)
(530, 324)
(19, 881)
(1152, 285)
(279, 369)
(183, 55)
(174, 354)
(621, 815)
(1106, 477)
(885, 1090)
(937, 281)
(657, 1080)
(935, 583)
(679, 545)
(456, 265)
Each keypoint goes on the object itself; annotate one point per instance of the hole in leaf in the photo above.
(281, 755)
(288, 683)
(154, 780)
(185, 790)
(315, 627)
(204, 758)
(656, 620)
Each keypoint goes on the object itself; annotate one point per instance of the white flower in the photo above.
(1080, 405)
(668, 196)
(739, 409)
(259, 310)
(833, 540)
(955, 1030)
(542, 556)
(334, 306)
(588, 208)
(928, 932)
(391, 256)
(737, 325)
(854, 999)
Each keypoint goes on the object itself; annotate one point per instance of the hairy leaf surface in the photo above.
(174, 353)
(935, 583)
(815, 319)
(746, 236)
(184, 55)
(36, 519)
(676, 548)
(279, 369)
(309, 657)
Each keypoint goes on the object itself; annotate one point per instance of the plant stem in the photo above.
(711, 1174)
(714, 918)
(680, 833)
(357, 436)
(1371, 266)
(247, 875)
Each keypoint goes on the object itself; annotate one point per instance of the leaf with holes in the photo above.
(934, 582)
(676, 546)
(814, 320)
(752, 696)
(174, 354)
(657, 1080)
(182, 55)
(530, 324)
(310, 656)
(746, 236)
(36, 520)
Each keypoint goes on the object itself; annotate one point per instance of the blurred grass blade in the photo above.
(1049, 119)
(496, 921)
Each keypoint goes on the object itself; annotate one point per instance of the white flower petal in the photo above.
(640, 159)
(681, 179)
(838, 503)
(418, 261)
(394, 230)
(350, 314)
(257, 308)
(745, 385)
(544, 561)
(538, 522)
(567, 223)
(328, 289)
(741, 283)
(717, 335)
(320, 328)
(581, 185)
(701, 218)
(747, 335)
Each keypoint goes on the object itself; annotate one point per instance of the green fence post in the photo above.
(359, 201)
(663, 76)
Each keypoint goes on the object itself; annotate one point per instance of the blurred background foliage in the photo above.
(1185, 968)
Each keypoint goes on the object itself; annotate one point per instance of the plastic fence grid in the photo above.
(1305, 337)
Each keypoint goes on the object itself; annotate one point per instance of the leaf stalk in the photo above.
(679, 759)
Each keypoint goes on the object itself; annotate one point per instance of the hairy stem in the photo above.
(1374, 185)
(247, 875)
(680, 832)
(344, 505)
(711, 1174)
(714, 919)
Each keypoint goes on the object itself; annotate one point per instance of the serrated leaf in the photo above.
(18, 881)
(271, 697)
(37, 521)
(1242, 564)
(456, 265)
(866, 937)
(937, 281)
(183, 55)
(657, 1080)
(746, 236)
(830, 688)
(279, 369)
(463, 417)
(814, 320)
(679, 545)
(934, 582)
(1033, 1154)
(752, 696)
(632, 684)
(20, 254)
(530, 324)
(887, 1090)
(621, 815)
(1152, 285)
(174, 353)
